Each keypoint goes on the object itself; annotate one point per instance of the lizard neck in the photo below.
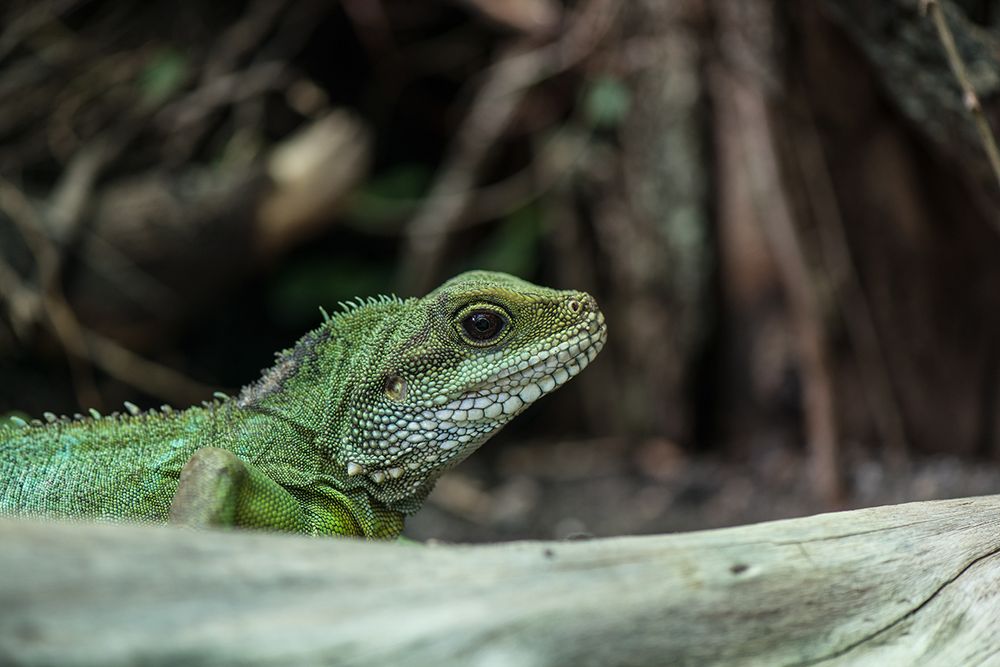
(305, 396)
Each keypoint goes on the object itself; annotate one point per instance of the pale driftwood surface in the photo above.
(900, 585)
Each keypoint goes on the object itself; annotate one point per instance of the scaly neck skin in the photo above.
(301, 404)
(320, 393)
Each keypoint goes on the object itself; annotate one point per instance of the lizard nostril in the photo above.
(582, 304)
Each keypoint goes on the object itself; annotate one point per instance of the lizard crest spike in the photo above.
(345, 434)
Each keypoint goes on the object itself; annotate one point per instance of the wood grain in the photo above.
(906, 584)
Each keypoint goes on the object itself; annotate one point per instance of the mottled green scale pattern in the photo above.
(344, 435)
(129, 471)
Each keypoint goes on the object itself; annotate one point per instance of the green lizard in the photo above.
(345, 435)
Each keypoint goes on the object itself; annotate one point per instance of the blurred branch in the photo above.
(48, 261)
(193, 187)
(969, 97)
(495, 105)
(75, 187)
(855, 308)
(774, 212)
(491, 112)
(744, 95)
(532, 17)
(79, 342)
(906, 57)
(553, 162)
(241, 38)
(371, 25)
(312, 173)
(223, 90)
(32, 19)
(23, 303)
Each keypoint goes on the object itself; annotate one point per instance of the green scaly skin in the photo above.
(345, 435)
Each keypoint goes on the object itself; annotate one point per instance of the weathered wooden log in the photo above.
(898, 585)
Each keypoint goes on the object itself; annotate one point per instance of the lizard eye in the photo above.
(483, 325)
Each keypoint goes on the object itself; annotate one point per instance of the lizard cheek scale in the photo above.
(405, 449)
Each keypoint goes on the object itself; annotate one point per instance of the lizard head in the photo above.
(447, 371)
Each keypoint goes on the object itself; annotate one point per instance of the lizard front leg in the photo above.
(217, 488)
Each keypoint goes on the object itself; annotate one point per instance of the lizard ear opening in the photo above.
(396, 388)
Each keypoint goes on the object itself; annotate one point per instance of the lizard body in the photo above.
(345, 435)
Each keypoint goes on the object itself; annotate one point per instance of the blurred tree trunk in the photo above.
(895, 224)
(923, 215)
(651, 215)
(854, 239)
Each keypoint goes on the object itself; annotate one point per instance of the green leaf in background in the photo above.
(163, 76)
(514, 246)
(297, 293)
(606, 102)
(390, 197)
